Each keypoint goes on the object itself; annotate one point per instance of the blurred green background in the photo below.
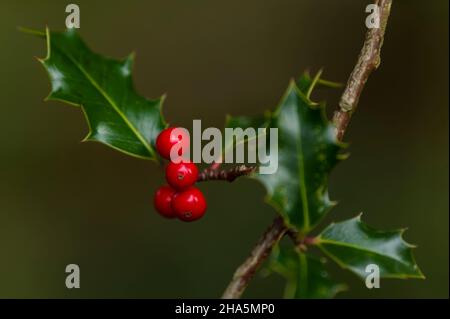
(62, 201)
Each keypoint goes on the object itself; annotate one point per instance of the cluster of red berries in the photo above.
(180, 198)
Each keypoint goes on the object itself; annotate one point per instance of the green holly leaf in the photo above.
(307, 151)
(354, 246)
(306, 276)
(103, 87)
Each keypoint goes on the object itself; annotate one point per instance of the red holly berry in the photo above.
(189, 205)
(163, 201)
(181, 175)
(168, 138)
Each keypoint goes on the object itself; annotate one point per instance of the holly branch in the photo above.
(368, 61)
(309, 147)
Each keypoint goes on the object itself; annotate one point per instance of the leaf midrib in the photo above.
(301, 177)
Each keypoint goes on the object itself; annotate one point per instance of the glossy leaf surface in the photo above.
(354, 246)
(307, 152)
(117, 115)
(306, 275)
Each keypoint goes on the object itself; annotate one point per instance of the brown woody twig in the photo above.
(368, 61)
(259, 253)
(210, 174)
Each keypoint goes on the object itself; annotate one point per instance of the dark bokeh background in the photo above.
(62, 201)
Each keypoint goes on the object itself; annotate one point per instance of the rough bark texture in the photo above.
(211, 174)
(263, 248)
(369, 59)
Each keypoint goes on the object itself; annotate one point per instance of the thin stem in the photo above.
(313, 84)
(368, 61)
(263, 248)
(212, 173)
(31, 31)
